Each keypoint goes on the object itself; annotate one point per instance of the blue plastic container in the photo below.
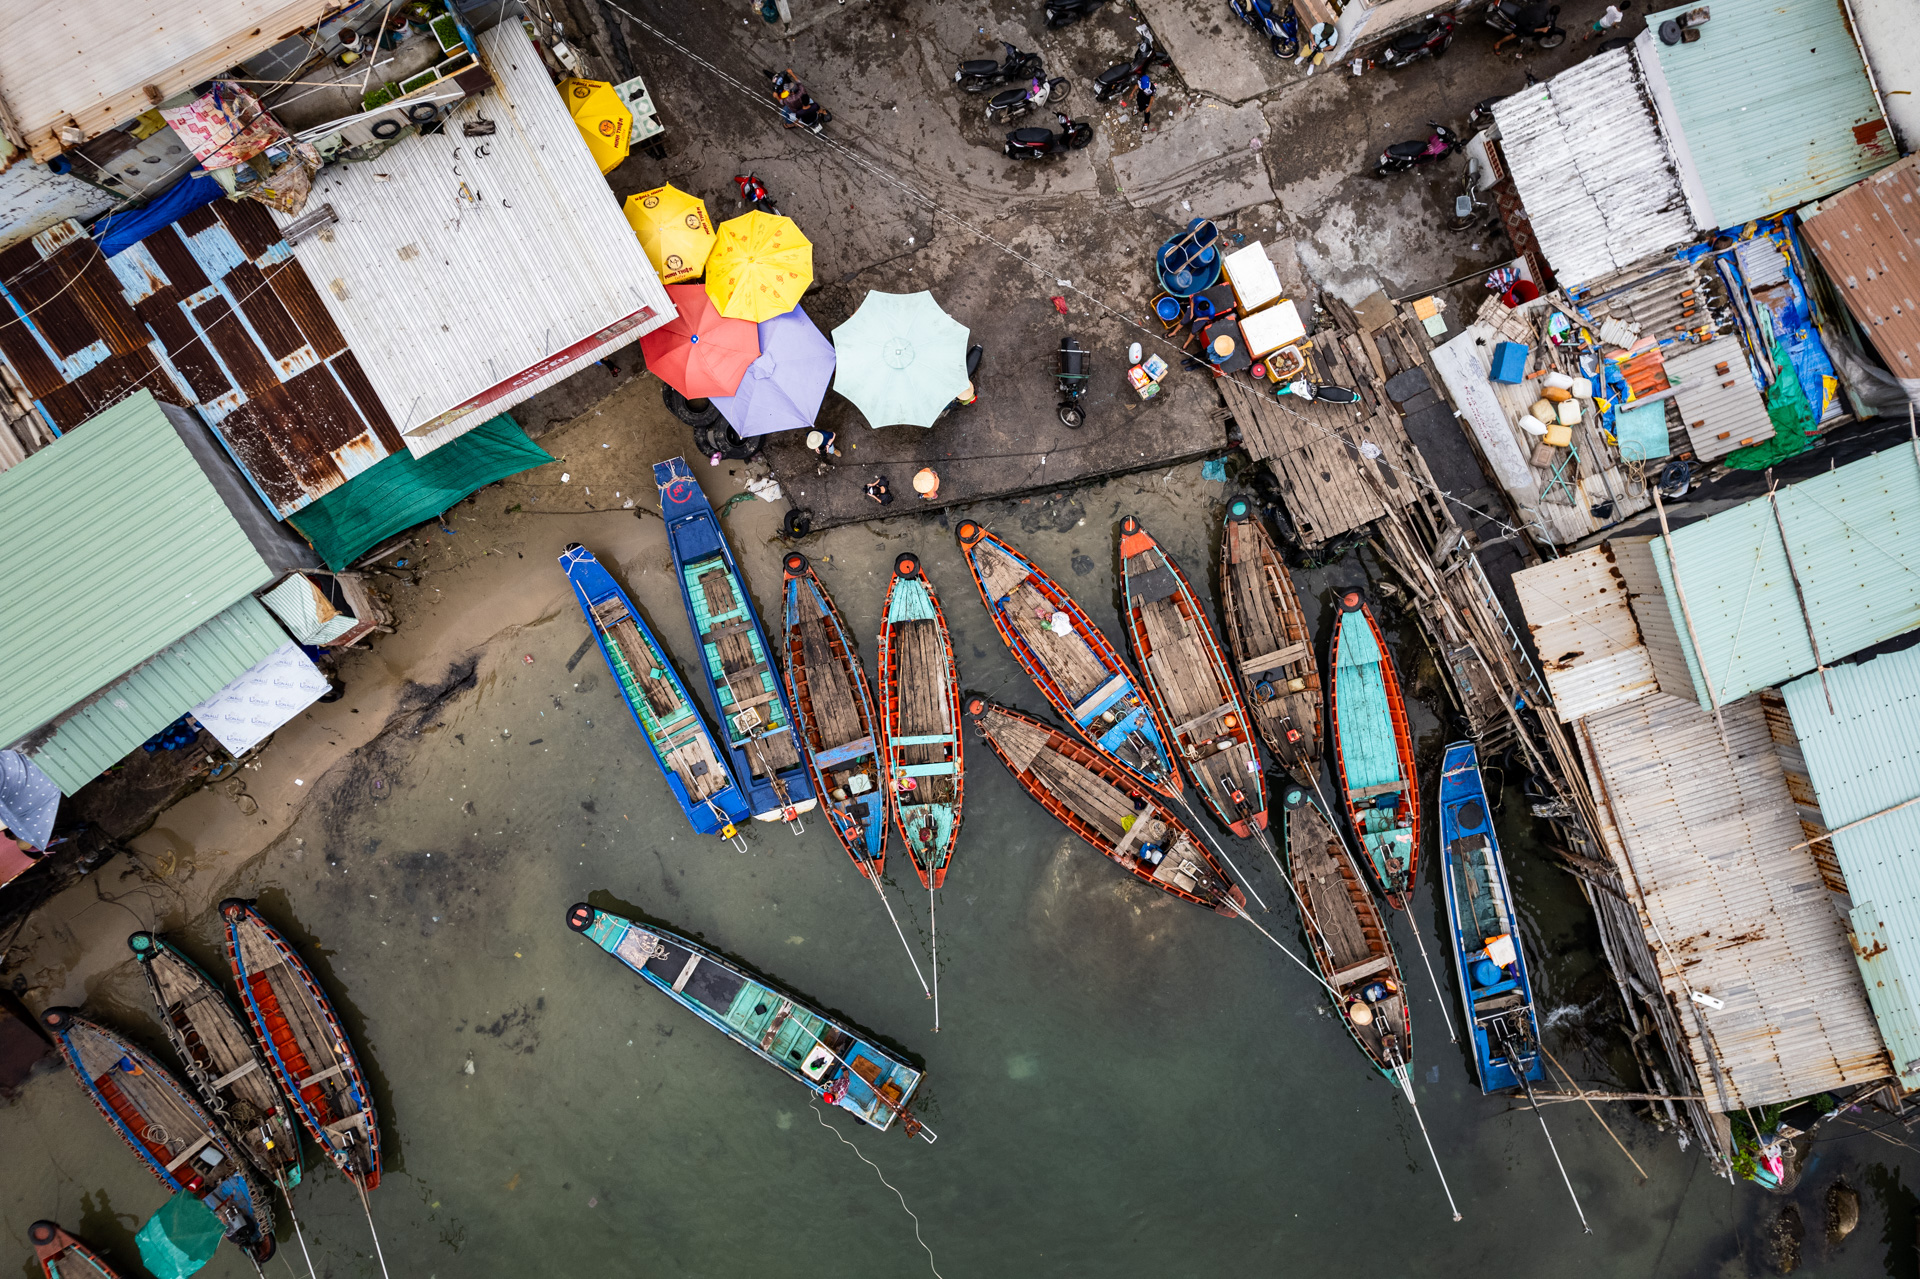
(1509, 363)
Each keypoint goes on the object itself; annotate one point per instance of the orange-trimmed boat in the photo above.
(920, 721)
(1126, 821)
(64, 1257)
(1272, 645)
(1373, 751)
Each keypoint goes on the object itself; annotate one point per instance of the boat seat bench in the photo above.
(1366, 968)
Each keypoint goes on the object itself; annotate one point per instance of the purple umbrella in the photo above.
(783, 388)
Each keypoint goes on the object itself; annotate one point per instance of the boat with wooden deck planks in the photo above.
(834, 709)
(223, 1063)
(920, 721)
(1487, 956)
(676, 733)
(1071, 662)
(1271, 643)
(1346, 933)
(1373, 751)
(64, 1257)
(1191, 687)
(303, 1041)
(166, 1127)
(736, 660)
(834, 1062)
(1127, 822)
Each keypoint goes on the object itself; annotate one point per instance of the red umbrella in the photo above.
(701, 352)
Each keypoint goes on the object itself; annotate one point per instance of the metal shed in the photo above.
(1868, 239)
(1589, 645)
(1719, 404)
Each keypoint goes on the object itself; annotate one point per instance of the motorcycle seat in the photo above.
(1412, 41)
(1407, 150)
(1008, 98)
(1031, 137)
(979, 66)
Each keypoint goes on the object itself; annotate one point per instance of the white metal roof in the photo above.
(91, 65)
(1722, 408)
(1593, 170)
(463, 268)
(1589, 644)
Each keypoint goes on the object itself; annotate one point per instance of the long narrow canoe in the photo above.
(1071, 662)
(670, 721)
(1486, 946)
(834, 709)
(222, 1063)
(831, 1060)
(735, 659)
(1346, 933)
(920, 721)
(174, 1137)
(304, 1042)
(1125, 821)
(1190, 684)
(1373, 752)
(64, 1257)
(1271, 644)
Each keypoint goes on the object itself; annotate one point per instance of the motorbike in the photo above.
(1043, 143)
(1013, 104)
(976, 75)
(1429, 40)
(1076, 366)
(1280, 24)
(1401, 156)
(1505, 18)
(1467, 206)
(1064, 13)
(1112, 82)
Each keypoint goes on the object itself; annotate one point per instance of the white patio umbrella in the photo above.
(901, 359)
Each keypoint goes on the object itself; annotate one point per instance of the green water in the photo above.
(1122, 1085)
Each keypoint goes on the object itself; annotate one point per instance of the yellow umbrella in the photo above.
(674, 230)
(759, 268)
(602, 118)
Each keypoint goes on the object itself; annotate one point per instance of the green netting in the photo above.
(400, 491)
(179, 1239)
(1793, 418)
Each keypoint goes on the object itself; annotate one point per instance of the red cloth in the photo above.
(700, 352)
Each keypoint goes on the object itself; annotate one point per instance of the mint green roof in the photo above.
(181, 676)
(113, 544)
(1862, 757)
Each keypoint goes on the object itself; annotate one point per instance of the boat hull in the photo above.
(64, 1257)
(1373, 752)
(1272, 645)
(920, 722)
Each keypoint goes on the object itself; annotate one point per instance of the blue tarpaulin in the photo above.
(118, 232)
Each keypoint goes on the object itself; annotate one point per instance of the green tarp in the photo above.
(400, 491)
(179, 1239)
(1792, 415)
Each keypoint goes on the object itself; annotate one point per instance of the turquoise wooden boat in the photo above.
(831, 1060)
(1373, 752)
(920, 721)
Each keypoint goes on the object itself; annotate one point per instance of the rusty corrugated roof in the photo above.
(1868, 239)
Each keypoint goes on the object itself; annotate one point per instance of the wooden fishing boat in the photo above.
(1271, 643)
(736, 660)
(670, 721)
(1487, 956)
(165, 1126)
(223, 1064)
(1190, 684)
(834, 709)
(920, 721)
(64, 1257)
(1346, 933)
(1373, 752)
(834, 1062)
(1127, 822)
(304, 1042)
(1071, 662)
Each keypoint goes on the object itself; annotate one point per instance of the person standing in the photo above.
(1613, 17)
(879, 491)
(926, 482)
(1143, 99)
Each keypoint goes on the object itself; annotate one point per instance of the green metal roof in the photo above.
(1773, 102)
(1864, 758)
(113, 544)
(156, 693)
(1855, 538)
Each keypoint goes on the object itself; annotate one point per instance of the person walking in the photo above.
(926, 482)
(821, 442)
(1534, 19)
(1143, 99)
(1613, 17)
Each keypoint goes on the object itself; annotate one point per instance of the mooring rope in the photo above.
(883, 1181)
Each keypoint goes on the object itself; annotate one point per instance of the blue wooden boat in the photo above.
(1486, 946)
(1071, 662)
(736, 660)
(832, 1061)
(920, 721)
(1373, 752)
(670, 720)
(834, 708)
(165, 1126)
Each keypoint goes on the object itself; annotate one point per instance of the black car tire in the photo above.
(681, 407)
(1553, 39)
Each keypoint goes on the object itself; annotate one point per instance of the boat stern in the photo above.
(873, 1086)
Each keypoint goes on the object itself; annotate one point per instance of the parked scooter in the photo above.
(1064, 13)
(1401, 156)
(1279, 23)
(1043, 144)
(1114, 81)
(976, 75)
(1506, 18)
(1429, 40)
(1014, 104)
(1076, 366)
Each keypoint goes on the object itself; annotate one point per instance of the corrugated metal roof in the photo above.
(1722, 409)
(127, 712)
(1589, 645)
(1864, 758)
(1592, 170)
(1868, 239)
(1855, 535)
(92, 64)
(34, 197)
(1770, 107)
(1704, 829)
(113, 544)
(468, 282)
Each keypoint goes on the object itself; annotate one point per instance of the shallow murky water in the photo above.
(1123, 1084)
